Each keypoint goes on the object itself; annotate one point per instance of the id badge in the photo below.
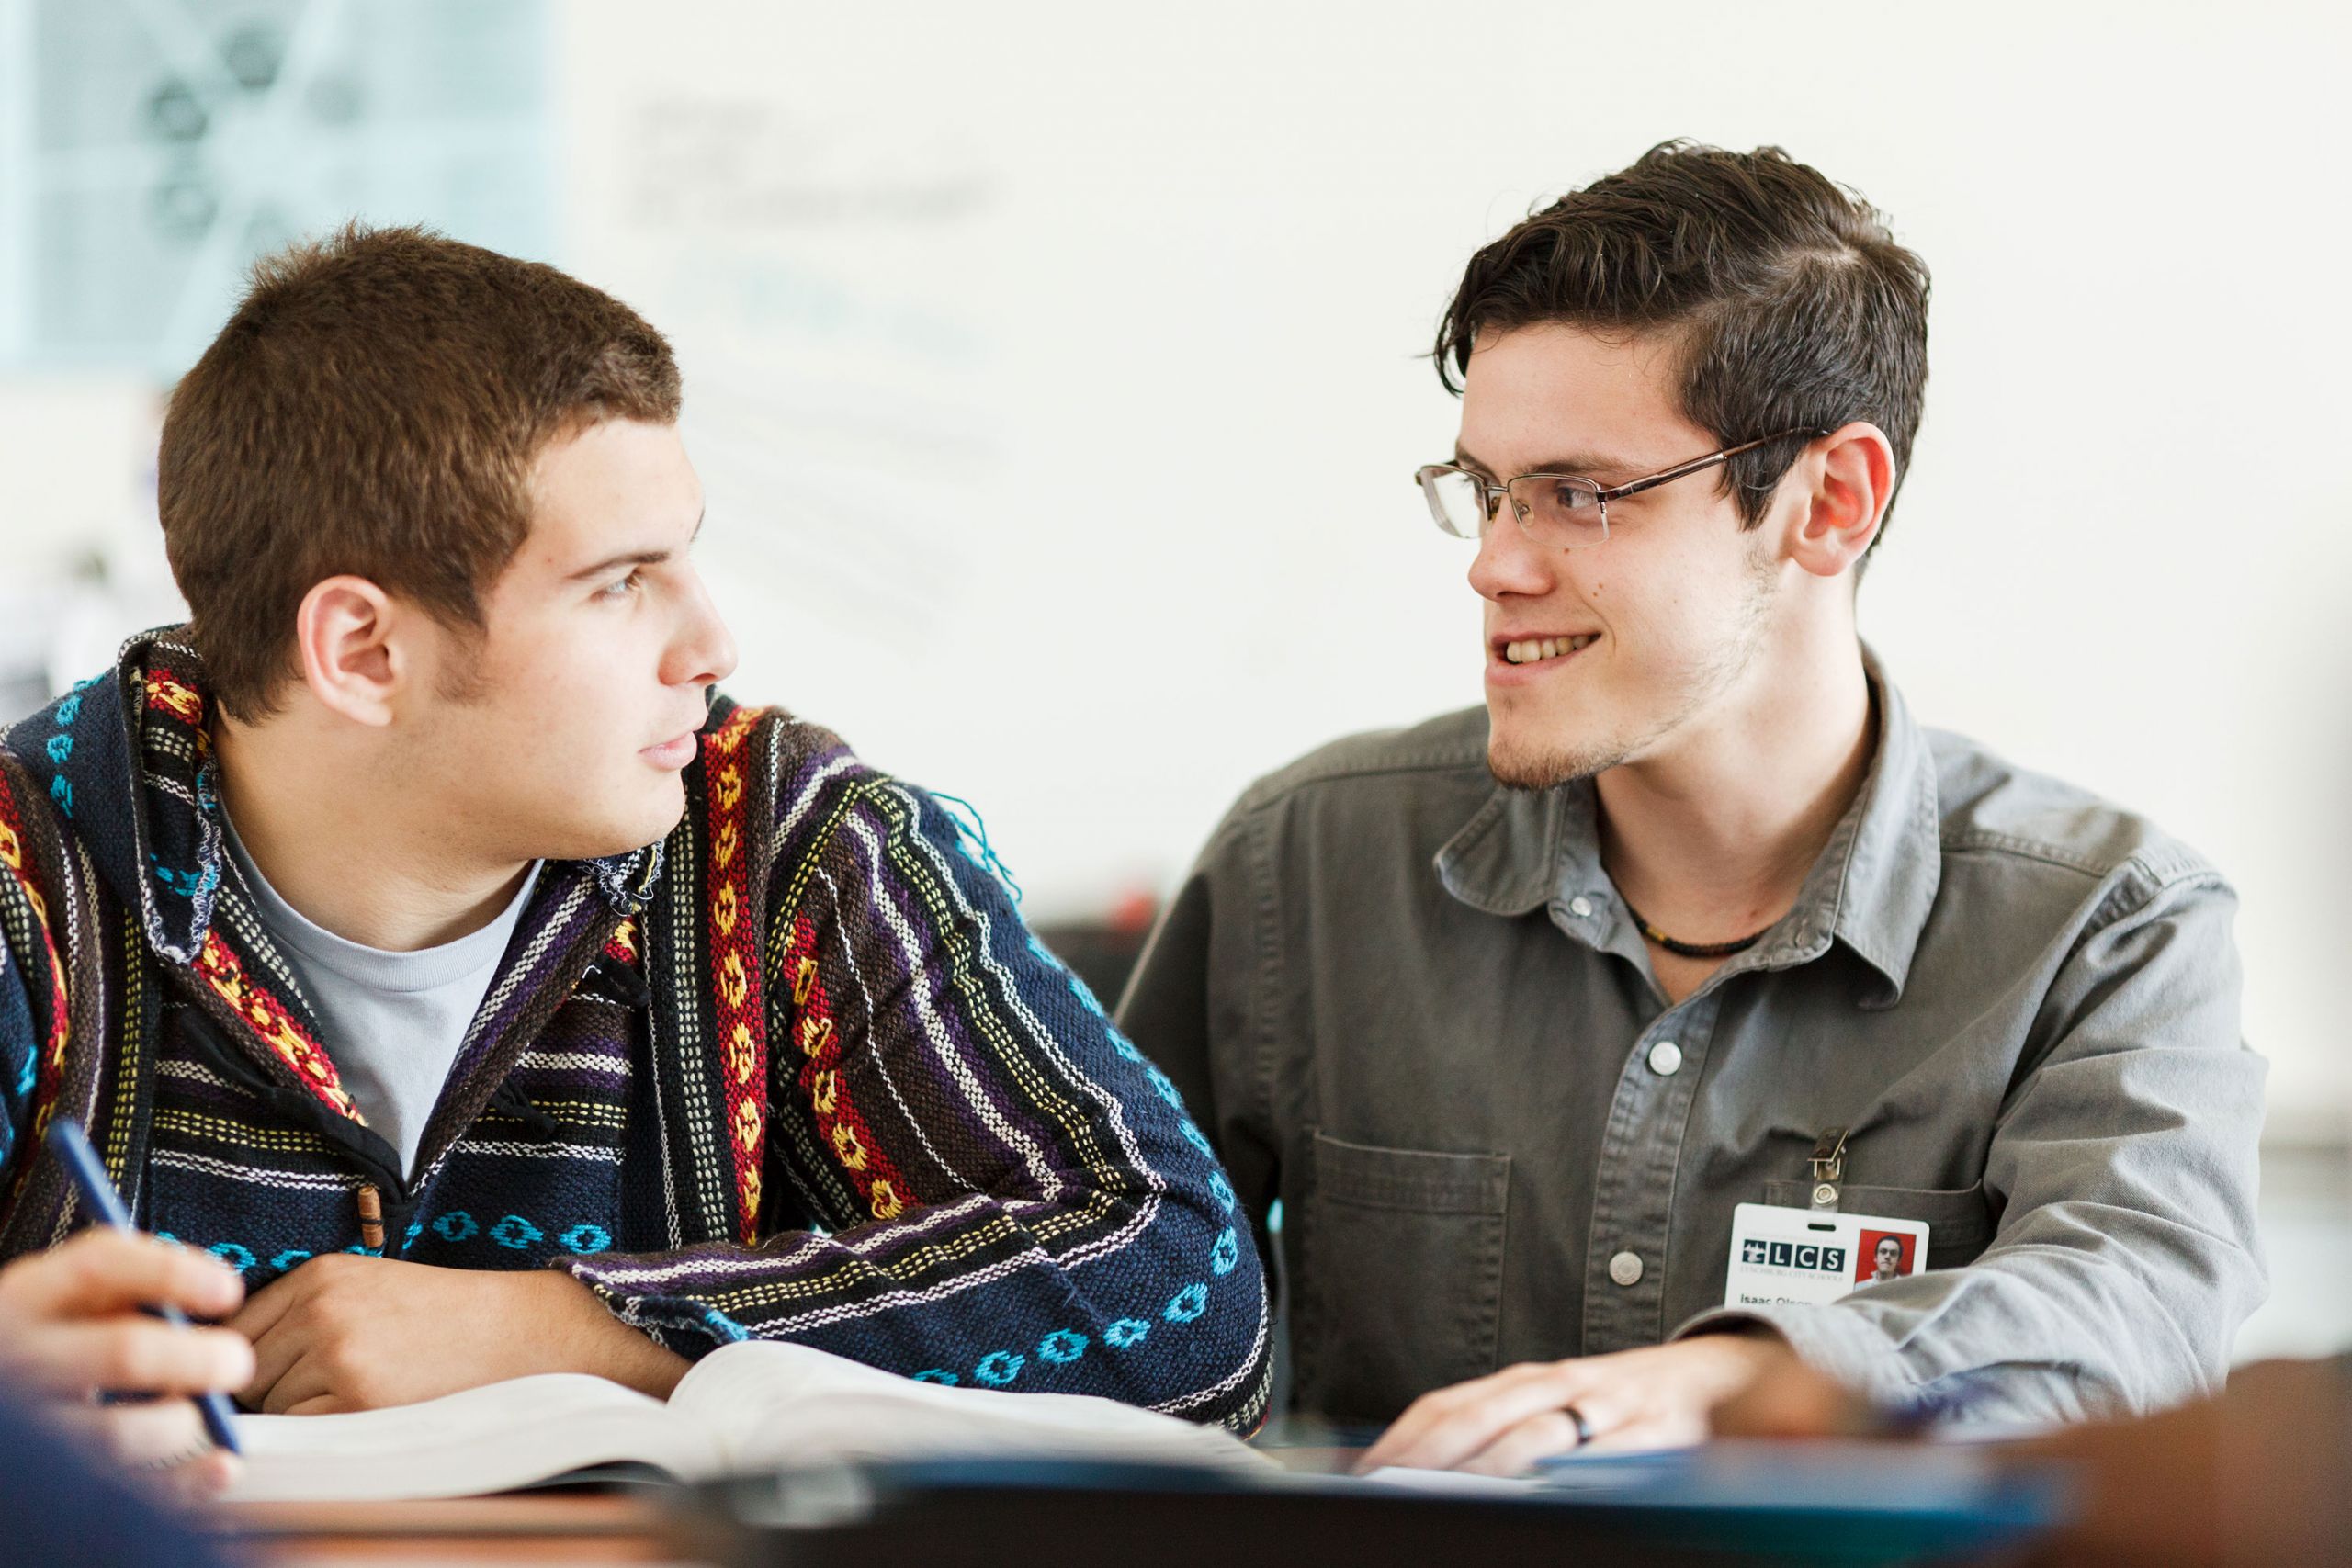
(1812, 1255)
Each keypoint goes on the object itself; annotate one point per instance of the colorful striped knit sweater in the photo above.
(796, 1072)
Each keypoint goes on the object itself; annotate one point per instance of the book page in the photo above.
(479, 1440)
(773, 1404)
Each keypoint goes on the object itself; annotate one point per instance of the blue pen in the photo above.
(72, 1147)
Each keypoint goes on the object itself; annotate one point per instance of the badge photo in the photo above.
(1882, 1255)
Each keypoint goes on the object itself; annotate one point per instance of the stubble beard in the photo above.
(1542, 763)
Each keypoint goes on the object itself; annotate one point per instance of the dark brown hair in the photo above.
(373, 407)
(1793, 307)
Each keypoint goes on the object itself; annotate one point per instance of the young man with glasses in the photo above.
(1515, 1010)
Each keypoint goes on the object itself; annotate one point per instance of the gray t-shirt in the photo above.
(392, 1021)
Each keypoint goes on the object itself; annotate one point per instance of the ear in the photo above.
(1853, 479)
(353, 661)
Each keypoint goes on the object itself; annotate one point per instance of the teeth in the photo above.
(1532, 649)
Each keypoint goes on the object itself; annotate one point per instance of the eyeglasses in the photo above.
(1564, 511)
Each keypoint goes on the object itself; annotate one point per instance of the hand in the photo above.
(70, 1327)
(2245, 1477)
(1790, 1399)
(1499, 1425)
(346, 1332)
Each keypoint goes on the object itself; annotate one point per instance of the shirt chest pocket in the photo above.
(1960, 1219)
(1402, 1253)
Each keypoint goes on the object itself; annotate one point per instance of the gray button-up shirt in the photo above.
(1411, 1006)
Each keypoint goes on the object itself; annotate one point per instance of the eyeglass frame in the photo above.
(1602, 495)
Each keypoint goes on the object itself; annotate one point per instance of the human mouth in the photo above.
(672, 753)
(1541, 649)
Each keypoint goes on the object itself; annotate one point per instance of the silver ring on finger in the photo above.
(1576, 1419)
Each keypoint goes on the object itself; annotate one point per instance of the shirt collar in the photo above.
(1871, 886)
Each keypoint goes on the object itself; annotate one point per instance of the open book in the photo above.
(745, 1406)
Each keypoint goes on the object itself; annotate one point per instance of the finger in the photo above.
(274, 1354)
(1442, 1429)
(139, 1437)
(322, 1405)
(267, 1306)
(132, 1354)
(167, 1445)
(1539, 1437)
(1673, 1428)
(1409, 1432)
(103, 1270)
(308, 1379)
(203, 1478)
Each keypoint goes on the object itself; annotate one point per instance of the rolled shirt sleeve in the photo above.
(2122, 1169)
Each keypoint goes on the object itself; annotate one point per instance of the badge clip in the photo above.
(1828, 1167)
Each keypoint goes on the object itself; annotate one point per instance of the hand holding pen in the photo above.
(74, 1325)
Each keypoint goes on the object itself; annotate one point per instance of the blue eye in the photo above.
(623, 587)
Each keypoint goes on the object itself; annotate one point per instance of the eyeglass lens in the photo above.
(1565, 514)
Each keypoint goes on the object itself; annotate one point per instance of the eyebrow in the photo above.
(634, 557)
(1587, 463)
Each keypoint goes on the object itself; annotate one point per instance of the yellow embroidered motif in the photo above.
(221, 970)
(846, 1145)
(162, 688)
(815, 1032)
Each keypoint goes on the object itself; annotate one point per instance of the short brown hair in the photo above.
(373, 407)
(1794, 307)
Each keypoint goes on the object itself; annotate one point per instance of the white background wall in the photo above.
(1054, 371)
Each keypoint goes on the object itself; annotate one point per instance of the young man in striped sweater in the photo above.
(419, 933)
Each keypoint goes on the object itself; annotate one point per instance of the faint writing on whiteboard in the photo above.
(825, 278)
(747, 162)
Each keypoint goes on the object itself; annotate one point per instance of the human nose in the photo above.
(1507, 561)
(704, 653)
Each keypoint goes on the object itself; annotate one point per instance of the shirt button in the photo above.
(1665, 1058)
(1625, 1269)
(1581, 906)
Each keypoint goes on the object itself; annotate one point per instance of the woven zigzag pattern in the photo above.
(803, 1073)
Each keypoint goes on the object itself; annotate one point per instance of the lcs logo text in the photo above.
(1794, 1254)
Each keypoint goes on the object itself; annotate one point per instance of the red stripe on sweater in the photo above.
(855, 1147)
(740, 990)
(50, 1072)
